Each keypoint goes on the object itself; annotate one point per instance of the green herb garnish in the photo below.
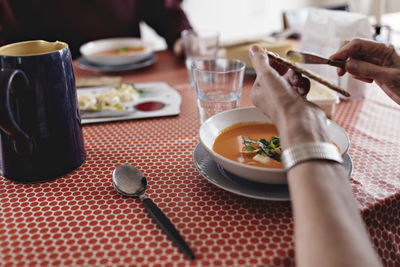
(140, 91)
(119, 86)
(272, 148)
(122, 49)
(248, 142)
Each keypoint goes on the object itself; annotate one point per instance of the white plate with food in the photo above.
(115, 51)
(127, 101)
(230, 182)
(232, 138)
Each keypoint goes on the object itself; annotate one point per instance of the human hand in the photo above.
(370, 61)
(178, 47)
(281, 98)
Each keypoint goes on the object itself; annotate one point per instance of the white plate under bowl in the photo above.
(89, 51)
(83, 63)
(216, 175)
(211, 128)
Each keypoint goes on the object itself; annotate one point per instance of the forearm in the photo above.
(329, 229)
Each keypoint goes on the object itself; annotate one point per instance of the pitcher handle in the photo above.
(23, 143)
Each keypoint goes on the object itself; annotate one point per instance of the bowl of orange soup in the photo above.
(237, 139)
(116, 51)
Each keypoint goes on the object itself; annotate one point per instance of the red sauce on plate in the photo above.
(150, 106)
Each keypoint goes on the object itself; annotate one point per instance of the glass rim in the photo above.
(241, 63)
(201, 33)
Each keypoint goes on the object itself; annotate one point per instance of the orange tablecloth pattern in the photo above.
(79, 219)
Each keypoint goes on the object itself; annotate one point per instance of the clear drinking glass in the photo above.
(218, 85)
(199, 45)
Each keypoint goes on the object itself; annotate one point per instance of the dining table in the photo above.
(79, 219)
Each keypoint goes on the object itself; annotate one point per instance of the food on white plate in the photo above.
(122, 50)
(109, 100)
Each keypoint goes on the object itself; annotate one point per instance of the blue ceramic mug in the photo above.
(40, 127)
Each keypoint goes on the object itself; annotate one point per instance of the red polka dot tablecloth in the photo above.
(80, 220)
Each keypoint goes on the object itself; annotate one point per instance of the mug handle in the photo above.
(22, 142)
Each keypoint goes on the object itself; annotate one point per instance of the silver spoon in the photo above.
(129, 181)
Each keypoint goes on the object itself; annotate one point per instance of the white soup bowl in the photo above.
(212, 127)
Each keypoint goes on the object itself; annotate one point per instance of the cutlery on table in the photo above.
(92, 81)
(106, 113)
(310, 58)
(131, 182)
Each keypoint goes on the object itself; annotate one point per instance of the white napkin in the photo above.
(324, 33)
(375, 8)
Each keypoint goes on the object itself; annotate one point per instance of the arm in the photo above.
(167, 18)
(329, 230)
(370, 61)
(328, 227)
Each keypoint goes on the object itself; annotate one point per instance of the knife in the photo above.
(92, 114)
(309, 58)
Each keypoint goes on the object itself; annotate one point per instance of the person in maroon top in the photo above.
(79, 21)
